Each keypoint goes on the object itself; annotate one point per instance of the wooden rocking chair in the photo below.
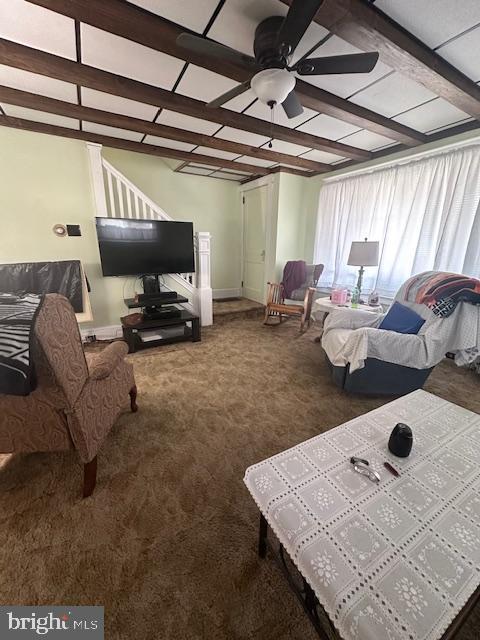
(276, 306)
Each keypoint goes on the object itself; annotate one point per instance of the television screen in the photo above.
(140, 247)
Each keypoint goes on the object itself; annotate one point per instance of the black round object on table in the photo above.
(401, 440)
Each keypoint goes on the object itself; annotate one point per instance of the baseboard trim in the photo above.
(218, 294)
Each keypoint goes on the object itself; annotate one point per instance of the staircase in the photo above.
(117, 197)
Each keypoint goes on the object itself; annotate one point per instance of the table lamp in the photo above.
(363, 254)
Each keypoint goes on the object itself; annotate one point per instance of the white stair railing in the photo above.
(117, 197)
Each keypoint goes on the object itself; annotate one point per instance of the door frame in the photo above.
(270, 227)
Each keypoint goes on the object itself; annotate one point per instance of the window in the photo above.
(425, 213)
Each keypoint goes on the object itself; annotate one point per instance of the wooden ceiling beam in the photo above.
(129, 145)
(70, 110)
(362, 24)
(47, 64)
(133, 23)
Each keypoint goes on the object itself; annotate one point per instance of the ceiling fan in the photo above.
(276, 38)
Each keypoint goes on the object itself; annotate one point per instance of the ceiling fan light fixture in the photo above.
(272, 85)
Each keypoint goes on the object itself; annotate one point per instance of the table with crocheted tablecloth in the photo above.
(394, 560)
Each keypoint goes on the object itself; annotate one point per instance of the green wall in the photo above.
(296, 219)
(46, 180)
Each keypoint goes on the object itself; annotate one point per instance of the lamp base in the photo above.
(361, 271)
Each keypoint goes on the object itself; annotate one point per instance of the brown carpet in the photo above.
(167, 543)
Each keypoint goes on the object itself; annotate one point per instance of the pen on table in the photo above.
(389, 467)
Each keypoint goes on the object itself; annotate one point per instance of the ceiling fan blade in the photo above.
(296, 22)
(228, 95)
(215, 49)
(350, 63)
(292, 106)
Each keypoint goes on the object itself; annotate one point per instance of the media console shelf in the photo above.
(149, 328)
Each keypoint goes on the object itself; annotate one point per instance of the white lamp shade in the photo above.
(272, 85)
(363, 254)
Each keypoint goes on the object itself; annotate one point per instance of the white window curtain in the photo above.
(425, 213)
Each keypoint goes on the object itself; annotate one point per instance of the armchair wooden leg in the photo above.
(89, 477)
(133, 399)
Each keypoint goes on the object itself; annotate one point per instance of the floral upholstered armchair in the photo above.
(78, 396)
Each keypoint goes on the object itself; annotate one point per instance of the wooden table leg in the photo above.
(262, 537)
(196, 330)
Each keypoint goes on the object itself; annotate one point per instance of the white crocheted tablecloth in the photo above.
(390, 561)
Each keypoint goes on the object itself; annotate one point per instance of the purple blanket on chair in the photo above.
(294, 275)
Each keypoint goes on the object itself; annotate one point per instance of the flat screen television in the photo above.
(143, 247)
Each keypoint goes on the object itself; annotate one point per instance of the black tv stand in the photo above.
(170, 323)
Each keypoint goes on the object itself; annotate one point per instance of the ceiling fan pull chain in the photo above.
(272, 121)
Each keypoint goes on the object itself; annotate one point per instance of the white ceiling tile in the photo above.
(433, 115)
(328, 127)
(170, 144)
(433, 21)
(201, 165)
(40, 116)
(233, 177)
(259, 162)
(385, 146)
(35, 83)
(216, 153)
(193, 15)
(198, 171)
(244, 173)
(117, 104)
(126, 58)
(392, 95)
(262, 111)
(464, 54)
(37, 27)
(206, 85)
(366, 140)
(322, 156)
(174, 119)
(287, 147)
(245, 137)
(344, 84)
(114, 132)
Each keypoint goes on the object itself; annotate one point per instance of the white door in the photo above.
(254, 236)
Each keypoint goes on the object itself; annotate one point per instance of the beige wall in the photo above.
(46, 180)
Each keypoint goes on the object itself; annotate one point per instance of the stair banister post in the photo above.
(202, 293)
(96, 174)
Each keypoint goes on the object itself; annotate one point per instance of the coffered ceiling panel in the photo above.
(392, 95)
(464, 53)
(227, 176)
(199, 171)
(245, 137)
(36, 27)
(205, 85)
(431, 116)
(103, 130)
(433, 21)
(322, 156)
(119, 55)
(193, 15)
(35, 83)
(117, 104)
(259, 162)
(216, 153)
(366, 140)
(287, 147)
(181, 121)
(346, 84)
(39, 116)
(263, 111)
(170, 144)
(328, 127)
